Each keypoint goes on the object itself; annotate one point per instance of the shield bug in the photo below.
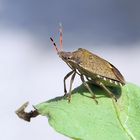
(91, 67)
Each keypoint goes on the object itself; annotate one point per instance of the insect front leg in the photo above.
(71, 82)
(65, 90)
(89, 89)
(107, 90)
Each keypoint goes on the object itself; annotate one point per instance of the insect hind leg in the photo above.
(89, 89)
(107, 90)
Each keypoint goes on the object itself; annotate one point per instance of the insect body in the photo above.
(90, 67)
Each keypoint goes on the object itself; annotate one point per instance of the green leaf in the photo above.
(83, 119)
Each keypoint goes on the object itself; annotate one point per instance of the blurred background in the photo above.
(30, 69)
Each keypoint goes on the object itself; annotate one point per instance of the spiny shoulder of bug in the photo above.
(80, 57)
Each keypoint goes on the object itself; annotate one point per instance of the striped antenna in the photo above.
(61, 36)
(54, 45)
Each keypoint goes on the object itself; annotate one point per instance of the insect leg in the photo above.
(108, 91)
(89, 89)
(71, 82)
(65, 90)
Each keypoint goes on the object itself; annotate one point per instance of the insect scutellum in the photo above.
(90, 67)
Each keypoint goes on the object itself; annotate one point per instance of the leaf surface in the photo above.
(83, 119)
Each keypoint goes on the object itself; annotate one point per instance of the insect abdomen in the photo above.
(92, 66)
(96, 77)
(105, 81)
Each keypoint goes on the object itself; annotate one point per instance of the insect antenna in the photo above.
(54, 44)
(61, 36)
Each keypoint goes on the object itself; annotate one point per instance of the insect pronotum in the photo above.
(90, 67)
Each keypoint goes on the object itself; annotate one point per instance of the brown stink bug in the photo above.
(90, 66)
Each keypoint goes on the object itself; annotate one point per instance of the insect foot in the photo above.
(69, 98)
(65, 94)
(95, 100)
